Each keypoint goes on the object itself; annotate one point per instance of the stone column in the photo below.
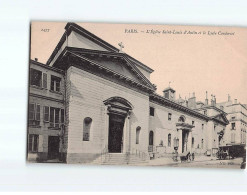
(189, 143)
(104, 137)
(180, 137)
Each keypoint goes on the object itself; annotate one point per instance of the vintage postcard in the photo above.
(135, 94)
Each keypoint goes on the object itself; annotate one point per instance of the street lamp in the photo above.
(176, 145)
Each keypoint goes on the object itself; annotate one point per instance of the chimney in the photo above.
(36, 59)
(215, 100)
(235, 101)
(192, 101)
(212, 99)
(206, 100)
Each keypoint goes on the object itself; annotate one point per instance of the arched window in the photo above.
(151, 138)
(169, 140)
(86, 128)
(181, 119)
(138, 129)
(202, 143)
(193, 142)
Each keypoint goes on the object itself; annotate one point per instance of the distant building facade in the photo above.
(91, 99)
(237, 117)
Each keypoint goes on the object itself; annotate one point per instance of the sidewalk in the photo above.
(169, 160)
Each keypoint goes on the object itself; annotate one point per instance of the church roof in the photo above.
(74, 27)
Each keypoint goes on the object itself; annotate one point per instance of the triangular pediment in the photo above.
(115, 62)
(221, 118)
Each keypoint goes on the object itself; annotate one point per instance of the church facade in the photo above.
(93, 103)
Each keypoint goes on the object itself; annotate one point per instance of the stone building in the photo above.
(91, 101)
(235, 133)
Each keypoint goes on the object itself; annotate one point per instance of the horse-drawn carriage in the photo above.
(188, 157)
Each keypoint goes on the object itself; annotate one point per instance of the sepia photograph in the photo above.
(137, 94)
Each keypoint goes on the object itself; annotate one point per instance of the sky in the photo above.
(193, 58)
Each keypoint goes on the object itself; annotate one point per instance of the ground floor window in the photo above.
(33, 142)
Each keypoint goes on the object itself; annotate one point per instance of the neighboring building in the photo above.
(91, 99)
(46, 111)
(237, 115)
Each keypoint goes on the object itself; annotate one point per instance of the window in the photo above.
(192, 142)
(169, 140)
(34, 114)
(181, 119)
(62, 116)
(214, 127)
(233, 126)
(55, 83)
(151, 138)
(54, 117)
(35, 77)
(46, 113)
(33, 142)
(169, 116)
(202, 126)
(86, 128)
(193, 122)
(138, 129)
(202, 143)
(151, 111)
(205, 112)
(167, 95)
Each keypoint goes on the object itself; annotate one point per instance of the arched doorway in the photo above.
(118, 109)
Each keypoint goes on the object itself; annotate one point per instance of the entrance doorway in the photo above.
(184, 141)
(53, 147)
(151, 141)
(115, 138)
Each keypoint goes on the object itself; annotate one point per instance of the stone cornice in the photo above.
(46, 97)
(107, 74)
(175, 106)
(122, 56)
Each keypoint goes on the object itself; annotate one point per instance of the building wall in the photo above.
(161, 126)
(44, 97)
(87, 93)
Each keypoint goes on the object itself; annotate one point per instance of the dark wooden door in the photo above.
(115, 139)
(53, 147)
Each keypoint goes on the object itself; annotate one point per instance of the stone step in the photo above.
(118, 159)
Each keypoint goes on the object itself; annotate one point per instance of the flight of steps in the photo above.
(120, 159)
